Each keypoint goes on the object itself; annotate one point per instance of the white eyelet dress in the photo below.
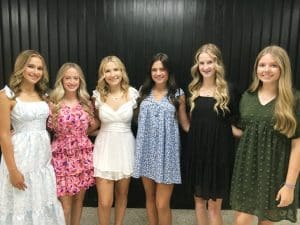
(38, 204)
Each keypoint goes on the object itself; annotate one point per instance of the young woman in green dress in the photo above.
(267, 160)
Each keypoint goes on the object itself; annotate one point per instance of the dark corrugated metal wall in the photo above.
(84, 31)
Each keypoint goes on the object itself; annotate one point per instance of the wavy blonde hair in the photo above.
(285, 119)
(58, 93)
(221, 93)
(102, 86)
(16, 77)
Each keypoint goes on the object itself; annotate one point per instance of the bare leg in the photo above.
(150, 190)
(77, 201)
(214, 212)
(242, 218)
(265, 222)
(105, 189)
(121, 192)
(201, 211)
(163, 196)
(66, 202)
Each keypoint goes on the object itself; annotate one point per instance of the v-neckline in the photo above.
(155, 100)
(267, 103)
(116, 110)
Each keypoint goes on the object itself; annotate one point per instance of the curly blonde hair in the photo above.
(221, 93)
(102, 86)
(58, 93)
(285, 119)
(16, 77)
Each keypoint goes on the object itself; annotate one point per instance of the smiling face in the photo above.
(206, 65)
(33, 70)
(268, 70)
(159, 74)
(112, 74)
(71, 80)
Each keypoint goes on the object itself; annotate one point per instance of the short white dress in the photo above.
(38, 204)
(114, 145)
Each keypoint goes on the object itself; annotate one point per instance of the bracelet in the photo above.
(291, 186)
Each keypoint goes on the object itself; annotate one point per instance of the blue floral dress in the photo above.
(157, 154)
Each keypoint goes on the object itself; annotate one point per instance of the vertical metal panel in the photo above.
(82, 37)
(53, 27)
(24, 24)
(14, 18)
(294, 45)
(33, 15)
(7, 60)
(2, 75)
(43, 28)
(92, 40)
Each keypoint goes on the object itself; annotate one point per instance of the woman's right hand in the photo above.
(17, 179)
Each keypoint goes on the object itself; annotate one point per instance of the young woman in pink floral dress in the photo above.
(70, 120)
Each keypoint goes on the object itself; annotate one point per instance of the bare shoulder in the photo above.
(5, 101)
(3, 96)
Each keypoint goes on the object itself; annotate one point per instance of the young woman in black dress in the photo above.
(210, 139)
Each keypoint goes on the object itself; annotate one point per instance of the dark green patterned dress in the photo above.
(261, 162)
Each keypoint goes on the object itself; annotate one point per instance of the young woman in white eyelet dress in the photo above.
(27, 179)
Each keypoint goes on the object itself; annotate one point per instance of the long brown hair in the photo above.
(16, 77)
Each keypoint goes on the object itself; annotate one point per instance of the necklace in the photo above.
(207, 92)
(116, 98)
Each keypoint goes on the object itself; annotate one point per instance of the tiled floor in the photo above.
(180, 217)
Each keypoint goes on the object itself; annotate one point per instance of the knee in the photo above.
(214, 210)
(121, 194)
(78, 199)
(162, 205)
(200, 204)
(150, 197)
(67, 210)
(105, 203)
(241, 219)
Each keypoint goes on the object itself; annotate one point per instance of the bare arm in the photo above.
(182, 116)
(93, 126)
(15, 175)
(94, 122)
(286, 193)
(236, 131)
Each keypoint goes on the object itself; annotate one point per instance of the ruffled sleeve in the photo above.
(179, 92)
(96, 96)
(9, 93)
(134, 94)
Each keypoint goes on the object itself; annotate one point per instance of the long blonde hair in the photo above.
(285, 119)
(16, 77)
(102, 86)
(221, 93)
(58, 92)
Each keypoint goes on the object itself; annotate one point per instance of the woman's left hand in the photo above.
(285, 196)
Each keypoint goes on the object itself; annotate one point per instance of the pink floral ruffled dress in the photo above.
(72, 150)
